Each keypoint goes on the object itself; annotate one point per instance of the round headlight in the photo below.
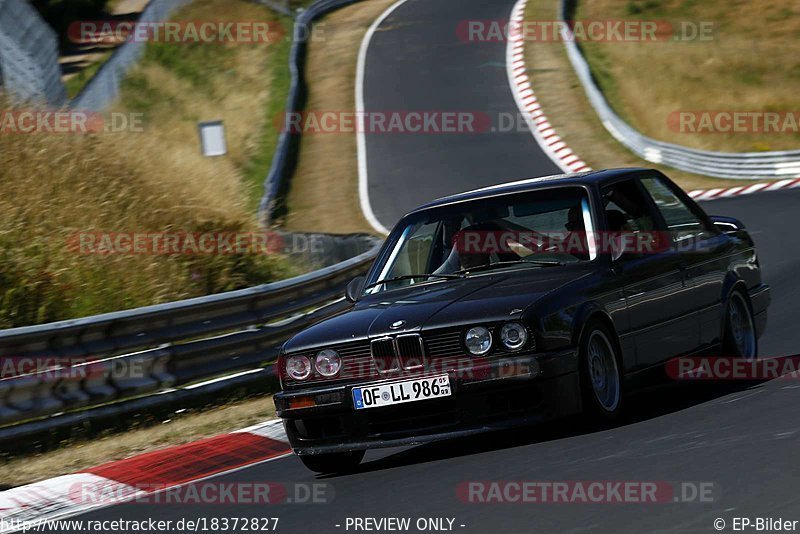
(478, 340)
(328, 362)
(298, 367)
(514, 336)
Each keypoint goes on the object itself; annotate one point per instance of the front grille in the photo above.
(383, 353)
(444, 344)
(410, 351)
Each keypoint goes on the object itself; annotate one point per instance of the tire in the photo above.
(341, 462)
(740, 339)
(601, 375)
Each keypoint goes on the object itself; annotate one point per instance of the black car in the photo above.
(517, 303)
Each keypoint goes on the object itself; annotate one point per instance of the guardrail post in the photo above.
(32, 395)
(140, 372)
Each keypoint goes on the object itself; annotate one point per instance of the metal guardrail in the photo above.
(155, 349)
(284, 160)
(104, 86)
(29, 67)
(741, 165)
(127, 362)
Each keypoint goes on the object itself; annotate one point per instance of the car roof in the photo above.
(531, 184)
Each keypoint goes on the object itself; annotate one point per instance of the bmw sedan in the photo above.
(518, 303)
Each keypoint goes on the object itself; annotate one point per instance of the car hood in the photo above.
(483, 298)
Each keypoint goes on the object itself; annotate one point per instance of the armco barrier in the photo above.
(152, 350)
(742, 165)
(29, 67)
(104, 86)
(284, 161)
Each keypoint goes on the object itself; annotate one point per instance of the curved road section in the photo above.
(419, 60)
(713, 454)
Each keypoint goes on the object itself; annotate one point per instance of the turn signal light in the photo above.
(301, 402)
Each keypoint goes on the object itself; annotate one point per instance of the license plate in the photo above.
(400, 392)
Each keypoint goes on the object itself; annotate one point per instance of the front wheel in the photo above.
(340, 462)
(740, 331)
(601, 378)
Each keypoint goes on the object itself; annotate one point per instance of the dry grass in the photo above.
(55, 185)
(752, 63)
(562, 98)
(184, 428)
(324, 188)
(177, 86)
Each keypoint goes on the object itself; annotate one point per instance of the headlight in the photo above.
(514, 336)
(478, 340)
(298, 367)
(328, 362)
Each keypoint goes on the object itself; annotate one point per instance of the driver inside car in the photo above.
(470, 249)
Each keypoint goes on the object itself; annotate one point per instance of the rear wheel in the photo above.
(601, 378)
(340, 462)
(740, 331)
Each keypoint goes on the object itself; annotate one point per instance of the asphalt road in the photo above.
(739, 440)
(416, 61)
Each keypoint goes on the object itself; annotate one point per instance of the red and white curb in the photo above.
(711, 194)
(528, 104)
(135, 477)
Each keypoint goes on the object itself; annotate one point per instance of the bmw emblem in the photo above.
(397, 324)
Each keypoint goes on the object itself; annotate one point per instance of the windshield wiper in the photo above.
(413, 277)
(537, 263)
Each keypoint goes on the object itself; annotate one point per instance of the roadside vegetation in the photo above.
(156, 180)
(75, 83)
(563, 100)
(323, 194)
(55, 186)
(741, 67)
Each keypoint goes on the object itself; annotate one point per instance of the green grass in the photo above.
(255, 171)
(76, 83)
(748, 63)
(156, 181)
(206, 70)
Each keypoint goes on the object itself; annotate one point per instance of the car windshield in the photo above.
(544, 228)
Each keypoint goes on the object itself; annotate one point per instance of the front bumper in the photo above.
(501, 393)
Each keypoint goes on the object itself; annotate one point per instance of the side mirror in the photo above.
(354, 288)
(728, 225)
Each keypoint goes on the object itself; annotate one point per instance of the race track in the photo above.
(417, 62)
(742, 440)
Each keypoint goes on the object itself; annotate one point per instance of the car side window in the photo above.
(627, 210)
(681, 221)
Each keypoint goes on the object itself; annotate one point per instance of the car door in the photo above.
(656, 284)
(704, 250)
